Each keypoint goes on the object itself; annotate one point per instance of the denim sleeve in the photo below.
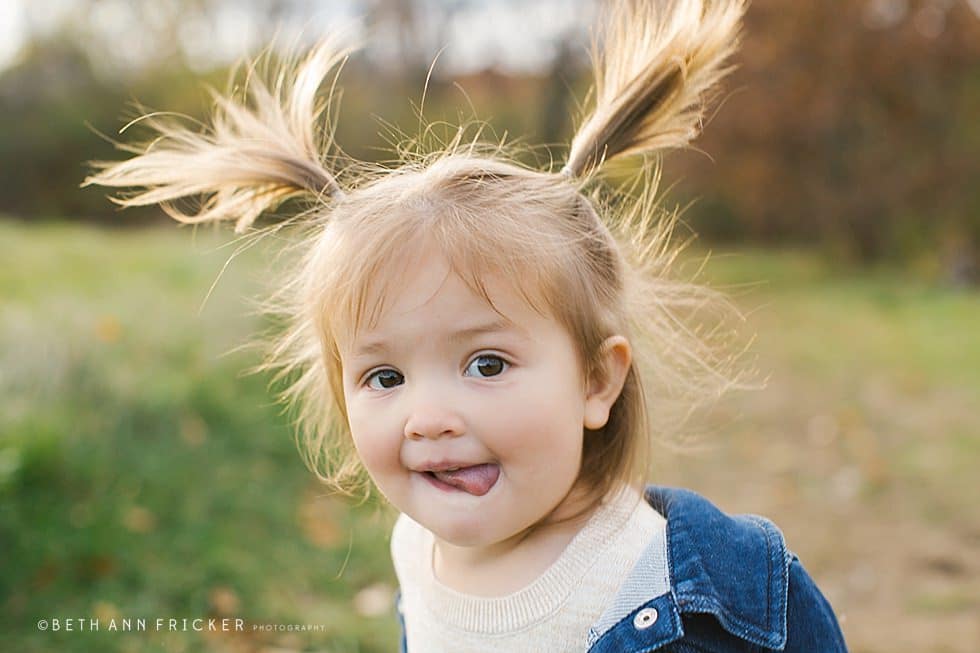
(810, 621)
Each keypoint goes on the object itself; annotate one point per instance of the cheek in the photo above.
(376, 443)
(543, 422)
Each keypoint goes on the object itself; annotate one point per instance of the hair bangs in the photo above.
(370, 264)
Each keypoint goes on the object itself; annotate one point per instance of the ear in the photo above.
(615, 356)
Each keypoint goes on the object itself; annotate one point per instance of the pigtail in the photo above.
(258, 151)
(654, 63)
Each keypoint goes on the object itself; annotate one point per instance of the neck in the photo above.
(506, 566)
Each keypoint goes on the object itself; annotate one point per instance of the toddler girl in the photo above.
(486, 341)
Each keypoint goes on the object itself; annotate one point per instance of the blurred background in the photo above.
(142, 474)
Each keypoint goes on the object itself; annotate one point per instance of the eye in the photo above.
(384, 379)
(486, 365)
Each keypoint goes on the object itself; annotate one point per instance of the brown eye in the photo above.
(486, 365)
(384, 379)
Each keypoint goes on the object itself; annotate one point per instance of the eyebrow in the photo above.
(373, 346)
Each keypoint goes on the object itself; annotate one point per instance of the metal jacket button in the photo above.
(645, 618)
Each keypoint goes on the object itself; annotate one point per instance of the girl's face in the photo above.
(443, 381)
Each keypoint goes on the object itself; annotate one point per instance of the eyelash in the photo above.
(505, 365)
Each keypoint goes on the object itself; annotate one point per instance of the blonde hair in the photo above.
(597, 261)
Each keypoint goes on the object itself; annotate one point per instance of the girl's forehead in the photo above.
(429, 287)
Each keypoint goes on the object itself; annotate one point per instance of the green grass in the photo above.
(143, 475)
(832, 318)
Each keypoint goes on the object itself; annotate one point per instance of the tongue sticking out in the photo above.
(477, 479)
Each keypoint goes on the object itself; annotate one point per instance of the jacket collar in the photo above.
(735, 568)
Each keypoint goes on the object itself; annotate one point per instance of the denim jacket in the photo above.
(730, 585)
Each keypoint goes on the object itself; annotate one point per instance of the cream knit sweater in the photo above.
(551, 614)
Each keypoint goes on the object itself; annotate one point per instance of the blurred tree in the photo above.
(52, 102)
(851, 122)
(559, 94)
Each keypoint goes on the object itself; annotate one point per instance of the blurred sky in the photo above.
(511, 35)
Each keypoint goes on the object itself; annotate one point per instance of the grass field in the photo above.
(142, 475)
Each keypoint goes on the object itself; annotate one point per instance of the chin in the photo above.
(461, 536)
(463, 533)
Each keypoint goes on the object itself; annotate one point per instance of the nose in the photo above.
(433, 420)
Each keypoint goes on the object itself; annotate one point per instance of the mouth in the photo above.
(472, 479)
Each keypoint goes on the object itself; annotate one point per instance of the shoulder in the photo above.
(812, 623)
(733, 575)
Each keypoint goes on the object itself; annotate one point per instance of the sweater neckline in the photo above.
(544, 595)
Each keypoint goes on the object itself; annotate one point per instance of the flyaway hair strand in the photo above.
(257, 152)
